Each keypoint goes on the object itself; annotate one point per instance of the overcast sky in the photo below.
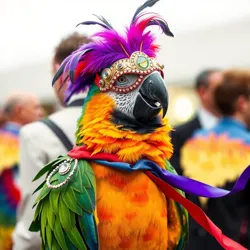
(31, 28)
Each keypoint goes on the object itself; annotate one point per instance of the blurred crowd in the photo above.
(213, 147)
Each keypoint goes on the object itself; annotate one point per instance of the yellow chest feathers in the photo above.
(100, 135)
(132, 212)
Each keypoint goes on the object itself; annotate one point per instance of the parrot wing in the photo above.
(182, 214)
(65, 207)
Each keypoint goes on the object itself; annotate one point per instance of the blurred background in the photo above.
(207, 34)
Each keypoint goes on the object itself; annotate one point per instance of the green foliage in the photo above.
(59, 212)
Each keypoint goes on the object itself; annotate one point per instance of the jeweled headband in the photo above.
(138, 63)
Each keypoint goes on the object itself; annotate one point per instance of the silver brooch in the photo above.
(62, 169)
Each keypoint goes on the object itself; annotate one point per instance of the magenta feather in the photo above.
(108, 46)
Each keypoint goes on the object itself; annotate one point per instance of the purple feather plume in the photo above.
(108, 46)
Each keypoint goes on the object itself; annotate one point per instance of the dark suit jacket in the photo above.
(179, 136)
(217, 209)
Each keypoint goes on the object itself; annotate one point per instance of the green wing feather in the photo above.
(183, 214)
(65, 215)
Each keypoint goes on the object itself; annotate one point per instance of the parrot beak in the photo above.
(152, 98)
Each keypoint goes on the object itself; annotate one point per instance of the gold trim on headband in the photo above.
(138, 63)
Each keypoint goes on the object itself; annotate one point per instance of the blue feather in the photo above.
(74, 61)
(162, 25)
(60, 70)
(89, 230)
(93, 23)
(148, 3)
(104, 20)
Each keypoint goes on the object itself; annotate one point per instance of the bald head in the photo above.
(22, 108)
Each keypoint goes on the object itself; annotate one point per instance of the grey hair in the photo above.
(11, 103)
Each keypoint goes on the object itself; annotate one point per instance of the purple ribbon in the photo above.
(183, 183)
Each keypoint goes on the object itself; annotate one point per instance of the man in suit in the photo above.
(217, 156)
(39, 144)
(206, 117)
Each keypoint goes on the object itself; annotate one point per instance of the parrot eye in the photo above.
(122, 79)
(125, 80)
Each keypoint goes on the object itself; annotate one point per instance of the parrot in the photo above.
(102, 206)
(106, 192)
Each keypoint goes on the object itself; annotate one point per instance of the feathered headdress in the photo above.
(108, 46)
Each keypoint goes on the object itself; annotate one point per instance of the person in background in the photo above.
(43, 141)
(2, 118)
(19, 109)
(206, 117)
(217, 156)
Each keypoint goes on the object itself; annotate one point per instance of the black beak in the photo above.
(152, 98)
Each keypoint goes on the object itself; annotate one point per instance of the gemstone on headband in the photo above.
(142, 62)
(138, 63)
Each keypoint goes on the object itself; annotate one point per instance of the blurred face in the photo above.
(58, 87)
(30, 110)
(207, 93)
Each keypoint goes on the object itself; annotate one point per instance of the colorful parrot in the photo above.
(116, 189)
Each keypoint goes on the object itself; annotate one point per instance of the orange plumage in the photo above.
(132, 213)
(101, 135)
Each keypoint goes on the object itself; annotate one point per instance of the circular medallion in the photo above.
(64, 168)
(142, 62)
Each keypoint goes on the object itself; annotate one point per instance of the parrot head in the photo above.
(123, 67)
(137, 87)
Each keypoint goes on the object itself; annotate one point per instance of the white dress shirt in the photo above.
(38, 146)
(207, 119)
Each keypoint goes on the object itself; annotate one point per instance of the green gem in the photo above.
(142, 62)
